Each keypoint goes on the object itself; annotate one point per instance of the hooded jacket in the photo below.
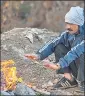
(69, 40)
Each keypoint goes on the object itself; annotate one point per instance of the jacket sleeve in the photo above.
(74, 53)
(48, 48)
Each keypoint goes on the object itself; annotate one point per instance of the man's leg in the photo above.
(81, 73)
(68, 80)
(61, 51)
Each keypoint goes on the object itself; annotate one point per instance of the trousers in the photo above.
(76, 67)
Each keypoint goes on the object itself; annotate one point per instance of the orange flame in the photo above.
(6, 63)
(10, 75)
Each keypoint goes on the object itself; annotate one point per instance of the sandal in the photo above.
(65, 83)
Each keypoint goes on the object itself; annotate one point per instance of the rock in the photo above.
(19, 51)
(4, 47)
(30, 37)
(4, 93)
(55, 81)
(35, 30)
(11, 93)
(44, 86)
(15, 45)
(50, 83)
(22, 89)
(40, 37)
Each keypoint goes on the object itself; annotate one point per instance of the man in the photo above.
(62, 46)
(75, 52)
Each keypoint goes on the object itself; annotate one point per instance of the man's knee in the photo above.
(60, 51)
(60, 48)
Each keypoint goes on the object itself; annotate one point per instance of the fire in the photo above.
(6, 63)
(9, 75)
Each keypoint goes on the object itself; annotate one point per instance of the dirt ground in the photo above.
(15, 43)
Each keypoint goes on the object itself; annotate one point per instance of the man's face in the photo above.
(72, 28)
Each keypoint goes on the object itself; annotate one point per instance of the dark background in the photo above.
(37, 14)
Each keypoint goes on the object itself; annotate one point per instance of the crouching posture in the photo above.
(68, 49)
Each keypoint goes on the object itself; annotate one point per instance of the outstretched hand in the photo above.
(46, 62)
(51, 65)
(32, 56)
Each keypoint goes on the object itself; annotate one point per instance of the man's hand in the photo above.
(32, 56)
(50, 65)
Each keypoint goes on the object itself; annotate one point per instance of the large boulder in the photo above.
(19, 41)
(22, 89)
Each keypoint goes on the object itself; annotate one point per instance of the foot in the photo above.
(66, 83)
(69, 76)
